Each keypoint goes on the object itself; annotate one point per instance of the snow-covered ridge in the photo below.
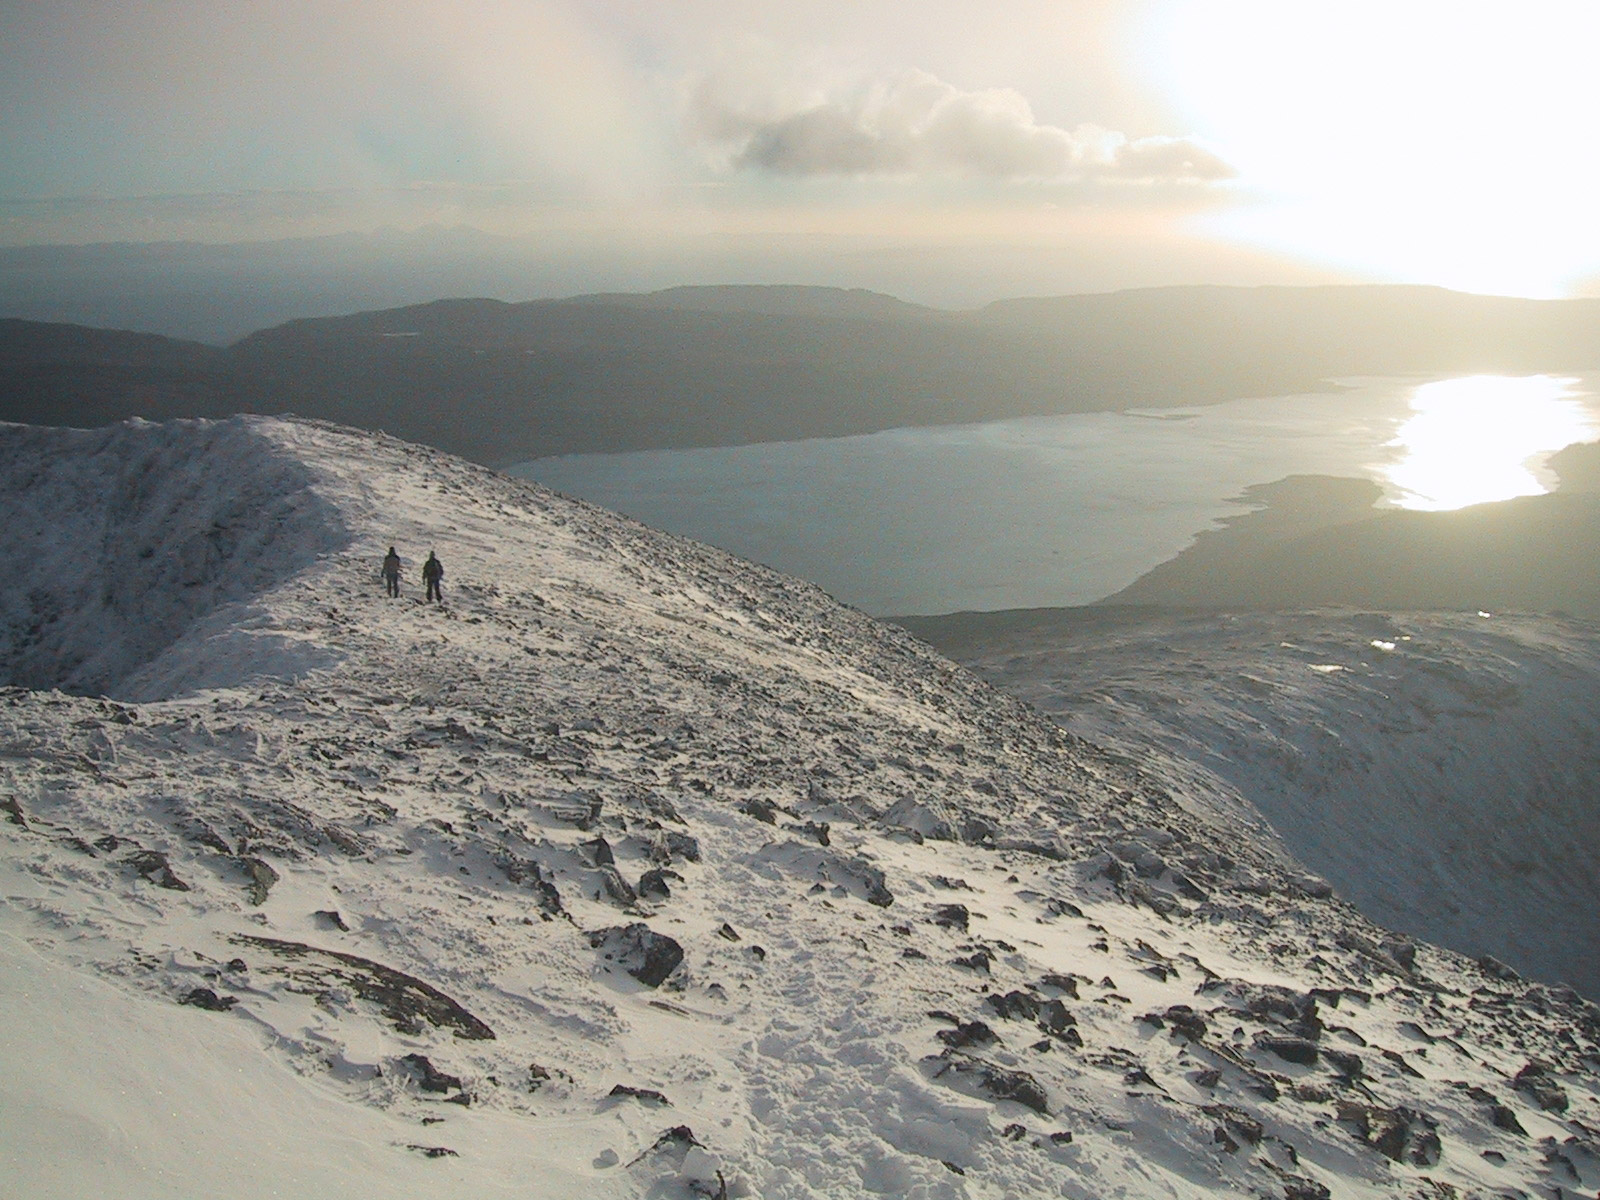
(636, 870)
(120, 539)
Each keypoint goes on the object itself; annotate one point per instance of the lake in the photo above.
(1065, 510)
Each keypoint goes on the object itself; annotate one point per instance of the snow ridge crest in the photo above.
(123, 538)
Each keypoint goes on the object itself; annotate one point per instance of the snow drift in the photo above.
(121, 539)
(637, 870)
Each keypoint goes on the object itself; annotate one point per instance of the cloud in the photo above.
(917, 125)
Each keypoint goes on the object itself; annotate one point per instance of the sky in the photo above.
(1036, 145)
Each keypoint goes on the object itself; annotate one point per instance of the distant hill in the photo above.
(1319, 541)
(502, 382)
(73, 375)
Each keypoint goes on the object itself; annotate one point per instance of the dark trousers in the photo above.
(392, 582)
(434, 591)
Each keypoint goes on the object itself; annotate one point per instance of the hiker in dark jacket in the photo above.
(432, 573)
(391, 572)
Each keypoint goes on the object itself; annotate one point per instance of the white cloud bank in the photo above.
(918, 125)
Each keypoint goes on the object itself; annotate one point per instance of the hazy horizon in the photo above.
(1049, 149)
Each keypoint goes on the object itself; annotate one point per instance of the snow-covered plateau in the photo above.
(635, 870)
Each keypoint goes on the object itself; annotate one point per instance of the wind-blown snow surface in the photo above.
(1442, 770)
(636, 870)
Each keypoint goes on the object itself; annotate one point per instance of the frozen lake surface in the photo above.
(1042, 511)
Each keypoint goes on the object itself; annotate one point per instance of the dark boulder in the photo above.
(1289, 1047)
(968, 1033)
(618, 888)
(643, 953)
(1013, 1006)
(1346, 1063)
(261, 878)
(1055, 1018)
(1536, 1081)
(1016, 1086)
(646, 1095)
(429, 1078)
(153, 866)
(1400, 1134)
(1185, 1022)
(204, 997)
(653, 883)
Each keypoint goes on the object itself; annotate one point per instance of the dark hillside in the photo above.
(502, 382)
(76, 376)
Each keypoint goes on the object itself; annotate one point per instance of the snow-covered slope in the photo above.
(636, 870)
(1442, 770)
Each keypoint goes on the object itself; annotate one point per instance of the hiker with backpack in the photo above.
(391, 572)
(432, 573)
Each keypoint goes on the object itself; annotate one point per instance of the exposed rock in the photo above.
(1399, 1133)
(1345, 1062)
(328, 918)
(1014, 1006)
(951, 916)
(919, 820)
(874, 883)
(1495, 969)
(675, 1141)
(819, 831)
(1536, 1081)
(764, 811)
(618, 888)
(653, 883)
(1185, 1022)
(1289, 1047)
(968, 1033)
(527, 873)
(643, 953)
(1065, 984)
(429, 1078)
(153, 865)
(1504, 1118)
(1005, 1084)
(978, 960)
(1055, 1018)
(1301, 1188)
(204, 997)
(623, 1091)
(1236, 1126)
(406, 1001)
(670, 845)
(261, 876)
(1403, 952)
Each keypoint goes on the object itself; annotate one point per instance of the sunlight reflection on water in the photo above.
(1483, 438)
(1039, 511)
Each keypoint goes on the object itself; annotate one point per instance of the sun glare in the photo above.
(1470, 441)
(1422, 142)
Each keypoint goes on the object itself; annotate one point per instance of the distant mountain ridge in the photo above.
(503, 382)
